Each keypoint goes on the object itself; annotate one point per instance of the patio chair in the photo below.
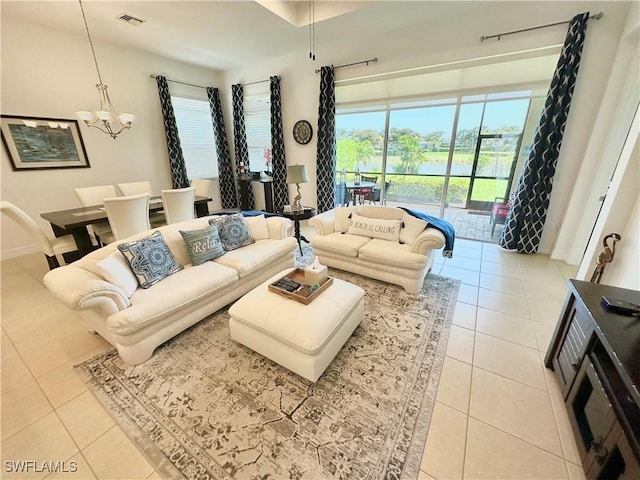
(362, 194)
(343, 195)
(375, 195)
(499, 212)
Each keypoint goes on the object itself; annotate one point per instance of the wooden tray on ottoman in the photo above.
(297, 275)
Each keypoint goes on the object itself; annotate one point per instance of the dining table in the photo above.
(74, 221)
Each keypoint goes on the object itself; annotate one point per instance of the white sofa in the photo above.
(403, 262)
(150, 317)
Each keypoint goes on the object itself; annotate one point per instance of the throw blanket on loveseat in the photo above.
(439, 224)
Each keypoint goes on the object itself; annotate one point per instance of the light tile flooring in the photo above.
(498, 413)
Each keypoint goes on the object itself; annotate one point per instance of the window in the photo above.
(257, 120)
(196, 136)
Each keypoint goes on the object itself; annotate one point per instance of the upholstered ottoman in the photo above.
(302, 338)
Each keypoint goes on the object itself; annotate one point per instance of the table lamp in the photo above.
(297, 174)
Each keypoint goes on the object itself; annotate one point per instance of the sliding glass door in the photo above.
(457, 152)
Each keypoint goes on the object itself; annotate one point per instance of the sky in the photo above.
(431, 119)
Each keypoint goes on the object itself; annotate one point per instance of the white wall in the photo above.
(48, 73)
(455, 40)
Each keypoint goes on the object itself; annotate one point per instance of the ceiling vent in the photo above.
(125, 17)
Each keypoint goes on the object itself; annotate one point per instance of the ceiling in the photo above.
(224, 35)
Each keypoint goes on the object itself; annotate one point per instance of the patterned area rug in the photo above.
(205, 407)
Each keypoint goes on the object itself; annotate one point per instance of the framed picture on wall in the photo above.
(39, 143)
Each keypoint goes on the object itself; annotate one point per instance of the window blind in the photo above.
(196, 136)
(257, 120)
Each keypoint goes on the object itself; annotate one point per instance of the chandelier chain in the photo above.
(93, 52)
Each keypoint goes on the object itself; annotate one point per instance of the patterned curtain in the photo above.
(240, 139)
(278, 160)
(326, 153)
(179, 177)
(525, 221)
(225, 173)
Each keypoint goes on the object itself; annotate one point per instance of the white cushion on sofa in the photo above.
(395, 254)
(412, 227)
(257, 227)
(341, 243)
(342, 219)
(115, 269)
(255, 256)
(172, 294)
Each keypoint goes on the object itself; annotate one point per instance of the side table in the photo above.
(296, 216)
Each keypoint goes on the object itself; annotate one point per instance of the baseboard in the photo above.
(18, 251)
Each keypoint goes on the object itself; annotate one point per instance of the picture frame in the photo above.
(36, 143)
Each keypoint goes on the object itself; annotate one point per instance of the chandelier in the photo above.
(106, 119)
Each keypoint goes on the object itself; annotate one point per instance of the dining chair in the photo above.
(127, 215)
(92, 196)
(157, 219)
(135, 188)
(53, 249)
(179, 204)
(203, 187)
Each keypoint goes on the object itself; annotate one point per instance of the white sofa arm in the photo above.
(324, 222)
(429, 239)
(79, 288)
(279, 227)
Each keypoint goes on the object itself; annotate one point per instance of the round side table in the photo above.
(296, 216)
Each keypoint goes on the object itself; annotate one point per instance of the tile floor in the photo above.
(498, 412)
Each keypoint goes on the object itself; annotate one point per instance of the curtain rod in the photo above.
(597, 16)
(371, 60)
(178, 81)
(256, 82)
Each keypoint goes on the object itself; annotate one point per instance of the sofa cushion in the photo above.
(233, 231)
(257, 255)
(411, 228)
(394, 254)
(340, 243)
(116, 269)
(173, 294)
(375, 228)
(150, 259)
(342, 219)
(257, 227)
(203, 245)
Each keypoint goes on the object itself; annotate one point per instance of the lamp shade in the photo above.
(297, 174)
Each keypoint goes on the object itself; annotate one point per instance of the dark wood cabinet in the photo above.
(596, 357)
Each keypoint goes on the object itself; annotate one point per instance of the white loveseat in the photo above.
(403, 261)
(151, 316)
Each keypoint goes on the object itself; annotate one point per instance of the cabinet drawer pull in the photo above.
(574, 366)
(596, 443)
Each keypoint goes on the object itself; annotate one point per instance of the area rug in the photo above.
(204, 407)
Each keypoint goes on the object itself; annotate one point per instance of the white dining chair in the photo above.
(157, 219)
(135, 188)
(127, 215)
(91, 197)
(53, 249)
(203, 187)
(178, 204)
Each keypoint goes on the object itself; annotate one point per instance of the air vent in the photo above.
(125, 17)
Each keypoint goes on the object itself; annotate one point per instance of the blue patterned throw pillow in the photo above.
(203, 245)
(150, 259)
(233, 231)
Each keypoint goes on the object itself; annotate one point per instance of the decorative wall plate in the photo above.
(302, 132)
